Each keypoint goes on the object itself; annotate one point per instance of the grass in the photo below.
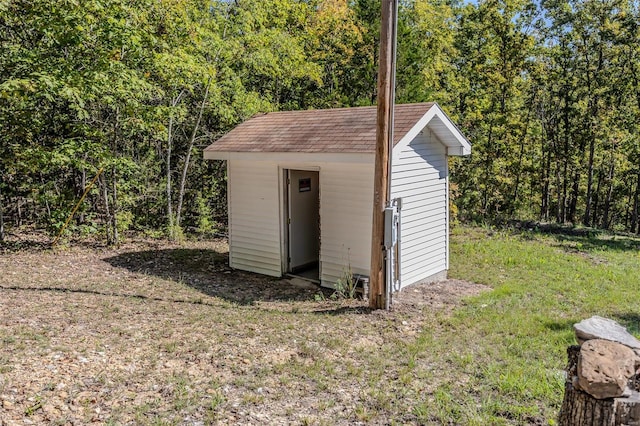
(514, 338)
(159, 347)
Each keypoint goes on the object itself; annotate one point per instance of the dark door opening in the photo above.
(303, 220)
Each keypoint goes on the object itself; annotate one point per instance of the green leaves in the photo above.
(546, 91)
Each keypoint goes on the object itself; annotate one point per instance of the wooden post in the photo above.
(377, 291)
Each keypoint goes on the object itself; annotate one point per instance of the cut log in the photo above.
(628, 410)
(581, 409)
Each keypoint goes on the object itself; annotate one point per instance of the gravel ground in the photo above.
(159, 333)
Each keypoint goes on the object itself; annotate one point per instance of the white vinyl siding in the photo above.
(419, 177)
(255, 199)
(254, 227)
(346, 203)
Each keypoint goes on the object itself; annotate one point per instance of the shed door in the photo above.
(304, 219)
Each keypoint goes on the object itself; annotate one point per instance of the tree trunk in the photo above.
(46, 201)
(114, 206)
(114, 180)
(587, 210)
(488, 162)
(168, 171)
(636, 207)
(607, 202)
(629, 204)
(1, 217)
(83, 185)
(593, 109)
(581, 409)
(562, 207)
(573, 200)
(187, 159)
(514, 198)
(596, 198)
(565, 190)
(544, 198)
(559, 195)
(107, 212)
(546, 173)
(174, 102)
(18, 220)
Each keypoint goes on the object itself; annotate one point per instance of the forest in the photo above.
(127, 94)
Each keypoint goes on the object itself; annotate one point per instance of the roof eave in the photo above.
(447, 132)
(284, 157)
(215, 155)
(458, 151)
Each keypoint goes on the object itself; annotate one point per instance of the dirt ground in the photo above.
(159, 333)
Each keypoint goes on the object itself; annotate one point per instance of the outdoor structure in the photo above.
(300, 191)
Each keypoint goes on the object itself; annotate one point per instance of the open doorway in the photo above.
(303, 223)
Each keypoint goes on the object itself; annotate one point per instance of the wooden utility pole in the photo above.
(377, 288)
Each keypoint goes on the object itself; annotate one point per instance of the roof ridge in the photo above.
(311, 110)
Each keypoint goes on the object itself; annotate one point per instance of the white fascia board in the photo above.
(415, 130)
(293, 157)
(456, 143)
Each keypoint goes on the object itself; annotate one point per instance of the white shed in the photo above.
(300, 191)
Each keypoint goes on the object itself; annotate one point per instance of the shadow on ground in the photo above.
(560, 325)
(586, 239)
(631, 320)
(207, 271)
(40, 240)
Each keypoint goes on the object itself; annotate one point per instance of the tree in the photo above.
(492, 78)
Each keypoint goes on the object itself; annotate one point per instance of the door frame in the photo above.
(284, 215)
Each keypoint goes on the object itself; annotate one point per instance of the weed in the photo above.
(30, 410)
(175, 233)
(307, 421)
(346, 285)
(8, 340)
(252, 398)
(182, 394)
(310, 350)
(363, 414)
(170, 347)
(217, 399)
(326, 404)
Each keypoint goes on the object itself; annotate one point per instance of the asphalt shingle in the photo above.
(349, 130)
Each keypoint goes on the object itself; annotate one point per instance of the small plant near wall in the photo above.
(346, 285)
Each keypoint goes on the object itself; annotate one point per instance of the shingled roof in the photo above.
(349, 130)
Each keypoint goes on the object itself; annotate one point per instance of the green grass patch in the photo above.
(512, 340)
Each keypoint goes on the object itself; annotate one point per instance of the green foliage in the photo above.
(547, 92)
(175, 233)
(124, 220)
(205, 223)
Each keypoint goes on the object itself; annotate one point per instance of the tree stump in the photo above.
(581, 409)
